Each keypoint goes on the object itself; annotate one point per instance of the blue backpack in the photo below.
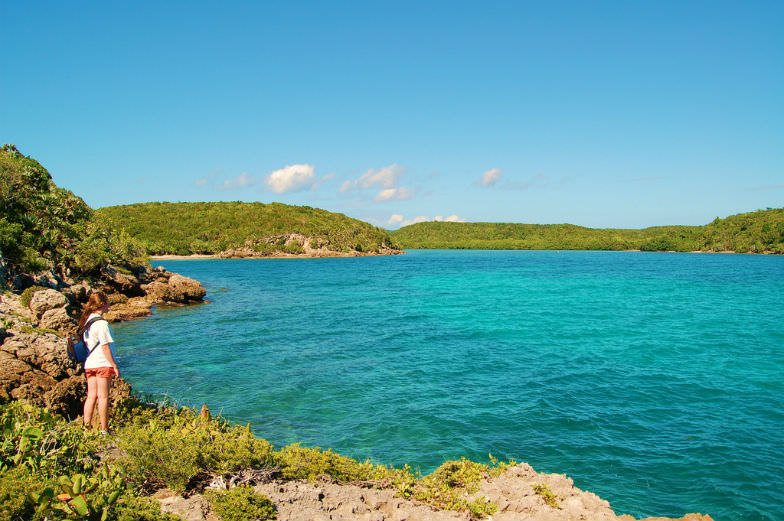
(77, 349)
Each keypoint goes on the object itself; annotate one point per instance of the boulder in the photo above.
(185, 289)
(66, 397)
(123, 282)
(136, 307)
(45, 300)
(57, 319)
(157, 290)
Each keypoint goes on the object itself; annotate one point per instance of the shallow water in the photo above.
(651, 379)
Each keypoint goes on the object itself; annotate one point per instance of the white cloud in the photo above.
(395, 194)
(201, 182)
(451, 219)
(420, 219)
(387, 177)
(491, 177)
(399, 220)
(290, 179)
(346, 186)
(242, 181)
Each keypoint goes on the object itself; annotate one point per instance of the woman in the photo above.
(100, 366)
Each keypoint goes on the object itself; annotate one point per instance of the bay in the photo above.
(652, 379)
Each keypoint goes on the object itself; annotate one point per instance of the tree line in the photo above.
(754, 232)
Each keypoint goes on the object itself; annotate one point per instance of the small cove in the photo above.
(652, 379)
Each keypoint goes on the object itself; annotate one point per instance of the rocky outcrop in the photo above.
(34, 364)
(295, 245)
(513, 492)
(44, 301)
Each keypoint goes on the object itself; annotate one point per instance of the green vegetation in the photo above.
(43, 227)
(208, 228)
(546, 494)
(241, 504)
(49, 468)
(755, 232)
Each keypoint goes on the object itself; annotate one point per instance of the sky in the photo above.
(606, 114)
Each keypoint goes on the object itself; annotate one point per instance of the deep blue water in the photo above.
(652, 379)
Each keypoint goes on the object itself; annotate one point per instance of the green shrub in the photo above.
(234, 448)
(43, 443)
(241, 504)
(293, 248)
(549, 498)
(450, 484)
(15, 486)
(157, 456)
(297, 462)
(135, 508)
(170, 448)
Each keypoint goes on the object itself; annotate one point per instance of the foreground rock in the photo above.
(513, 492)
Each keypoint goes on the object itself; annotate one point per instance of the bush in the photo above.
(297, 462)
(135, 508)
(43, 443)
(241, 504)
(15, 486)
(171, 449)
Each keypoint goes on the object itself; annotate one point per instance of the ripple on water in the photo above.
(653, 380)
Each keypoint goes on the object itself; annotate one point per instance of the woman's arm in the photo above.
(107, 352)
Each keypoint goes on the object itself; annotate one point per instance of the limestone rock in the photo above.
(67, 396)
(56, 319)
(45, 300)
(193, 508)
(157, 290)
(123, 282)
(133, 308)
(184, 289)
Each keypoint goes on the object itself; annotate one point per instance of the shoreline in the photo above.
(280, 255)
(277, 255)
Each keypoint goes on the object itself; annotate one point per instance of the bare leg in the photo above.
(103, 385)
(89, 402)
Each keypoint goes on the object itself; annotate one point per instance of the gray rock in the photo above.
(122, 282)
(45, 300)
(56, 319)
(184, 289)
(193, 508)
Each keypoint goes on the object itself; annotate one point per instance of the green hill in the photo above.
(186, 228)
(754, 232)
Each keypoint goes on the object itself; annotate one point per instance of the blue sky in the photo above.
(601, 114)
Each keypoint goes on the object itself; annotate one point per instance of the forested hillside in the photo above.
(186, 228)
(754, 232)
(47, 228)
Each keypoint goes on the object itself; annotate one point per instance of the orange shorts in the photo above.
(100, 372)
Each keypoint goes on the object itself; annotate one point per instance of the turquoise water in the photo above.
(653, 380)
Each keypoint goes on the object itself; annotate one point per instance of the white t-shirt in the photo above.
(97, 334)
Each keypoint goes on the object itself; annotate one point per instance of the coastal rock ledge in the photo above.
(34, 364)
(513, 492)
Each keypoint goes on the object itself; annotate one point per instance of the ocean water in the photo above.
(652, 379)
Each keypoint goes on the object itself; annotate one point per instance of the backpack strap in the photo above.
(85, 328)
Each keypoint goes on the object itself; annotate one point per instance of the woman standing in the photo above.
(100, 366)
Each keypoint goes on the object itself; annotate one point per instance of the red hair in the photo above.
(96, 302)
